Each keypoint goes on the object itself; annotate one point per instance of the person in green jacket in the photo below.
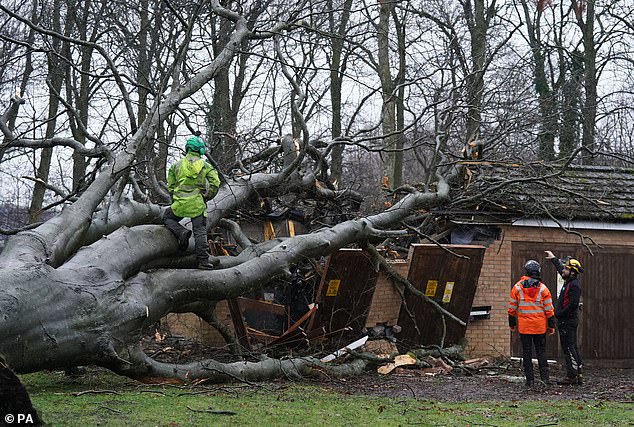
(191, 183)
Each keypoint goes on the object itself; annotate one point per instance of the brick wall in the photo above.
(386, 302)
(494, 277)
(192, 327)
(491, 337)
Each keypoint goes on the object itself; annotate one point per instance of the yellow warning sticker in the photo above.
(432, 285)
(333, 288)
(448, 291)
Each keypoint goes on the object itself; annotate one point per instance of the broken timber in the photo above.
(448, 275)
(345, 293)
(445, 275)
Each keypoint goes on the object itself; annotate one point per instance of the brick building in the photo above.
(606, 321)
(588, 213)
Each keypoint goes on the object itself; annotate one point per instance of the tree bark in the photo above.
(388, 108)
(83, 287)
(337, 69)
(477, 24)
(545, 94)
(56, 71)
(589, 108)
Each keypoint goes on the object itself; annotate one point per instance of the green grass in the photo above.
(100, 398)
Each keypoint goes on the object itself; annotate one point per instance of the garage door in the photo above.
(605, 330)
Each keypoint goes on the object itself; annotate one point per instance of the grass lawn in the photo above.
(100, 398)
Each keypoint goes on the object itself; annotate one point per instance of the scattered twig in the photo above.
(485, 424)
(81, 393)
(410, 389)
(166, 384)
(162, 350)
(213, 411)
(152, 391)
(116, 411)
(194, 393)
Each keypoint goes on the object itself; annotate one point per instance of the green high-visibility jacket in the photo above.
(191, 181)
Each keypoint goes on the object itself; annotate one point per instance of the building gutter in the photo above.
(587, 225)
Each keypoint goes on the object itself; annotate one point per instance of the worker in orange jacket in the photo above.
(531, 312)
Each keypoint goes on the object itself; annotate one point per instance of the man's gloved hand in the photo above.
(549, 255)
(550, 331)
(513, 328)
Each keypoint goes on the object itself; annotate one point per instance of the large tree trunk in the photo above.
(546, 96)
(95, 307)
(589, 109)
(337, 69)
(571, 96)
(57, 68)
(388, 109)
(478, 23)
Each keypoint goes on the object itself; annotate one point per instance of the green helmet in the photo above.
(195, 144)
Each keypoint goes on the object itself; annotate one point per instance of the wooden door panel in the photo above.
(605, 328)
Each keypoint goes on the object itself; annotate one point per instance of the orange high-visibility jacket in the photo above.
(532, 303)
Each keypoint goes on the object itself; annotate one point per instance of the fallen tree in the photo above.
(93, 306)
(83, 287)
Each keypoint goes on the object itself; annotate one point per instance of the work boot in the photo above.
(205, 265)
(546, 381)
(567, 381)
(580, 376)
(183, 240)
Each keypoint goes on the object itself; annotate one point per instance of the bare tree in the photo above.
(546, 94)
(57, 68)
(82, 287)
(12, 45)
(585, 14)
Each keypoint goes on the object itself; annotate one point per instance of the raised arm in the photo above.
(559, 265)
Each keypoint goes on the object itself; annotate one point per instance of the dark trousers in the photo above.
(568, 339)
(539, 342)
(199, 226)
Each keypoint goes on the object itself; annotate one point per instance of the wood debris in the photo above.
(476, 363)
(400, 360)
(352, 346)
(382, 348)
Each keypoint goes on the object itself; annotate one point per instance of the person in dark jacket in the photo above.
(15, 402)
(567, 314)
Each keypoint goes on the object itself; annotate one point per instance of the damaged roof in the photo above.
(508, 192)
